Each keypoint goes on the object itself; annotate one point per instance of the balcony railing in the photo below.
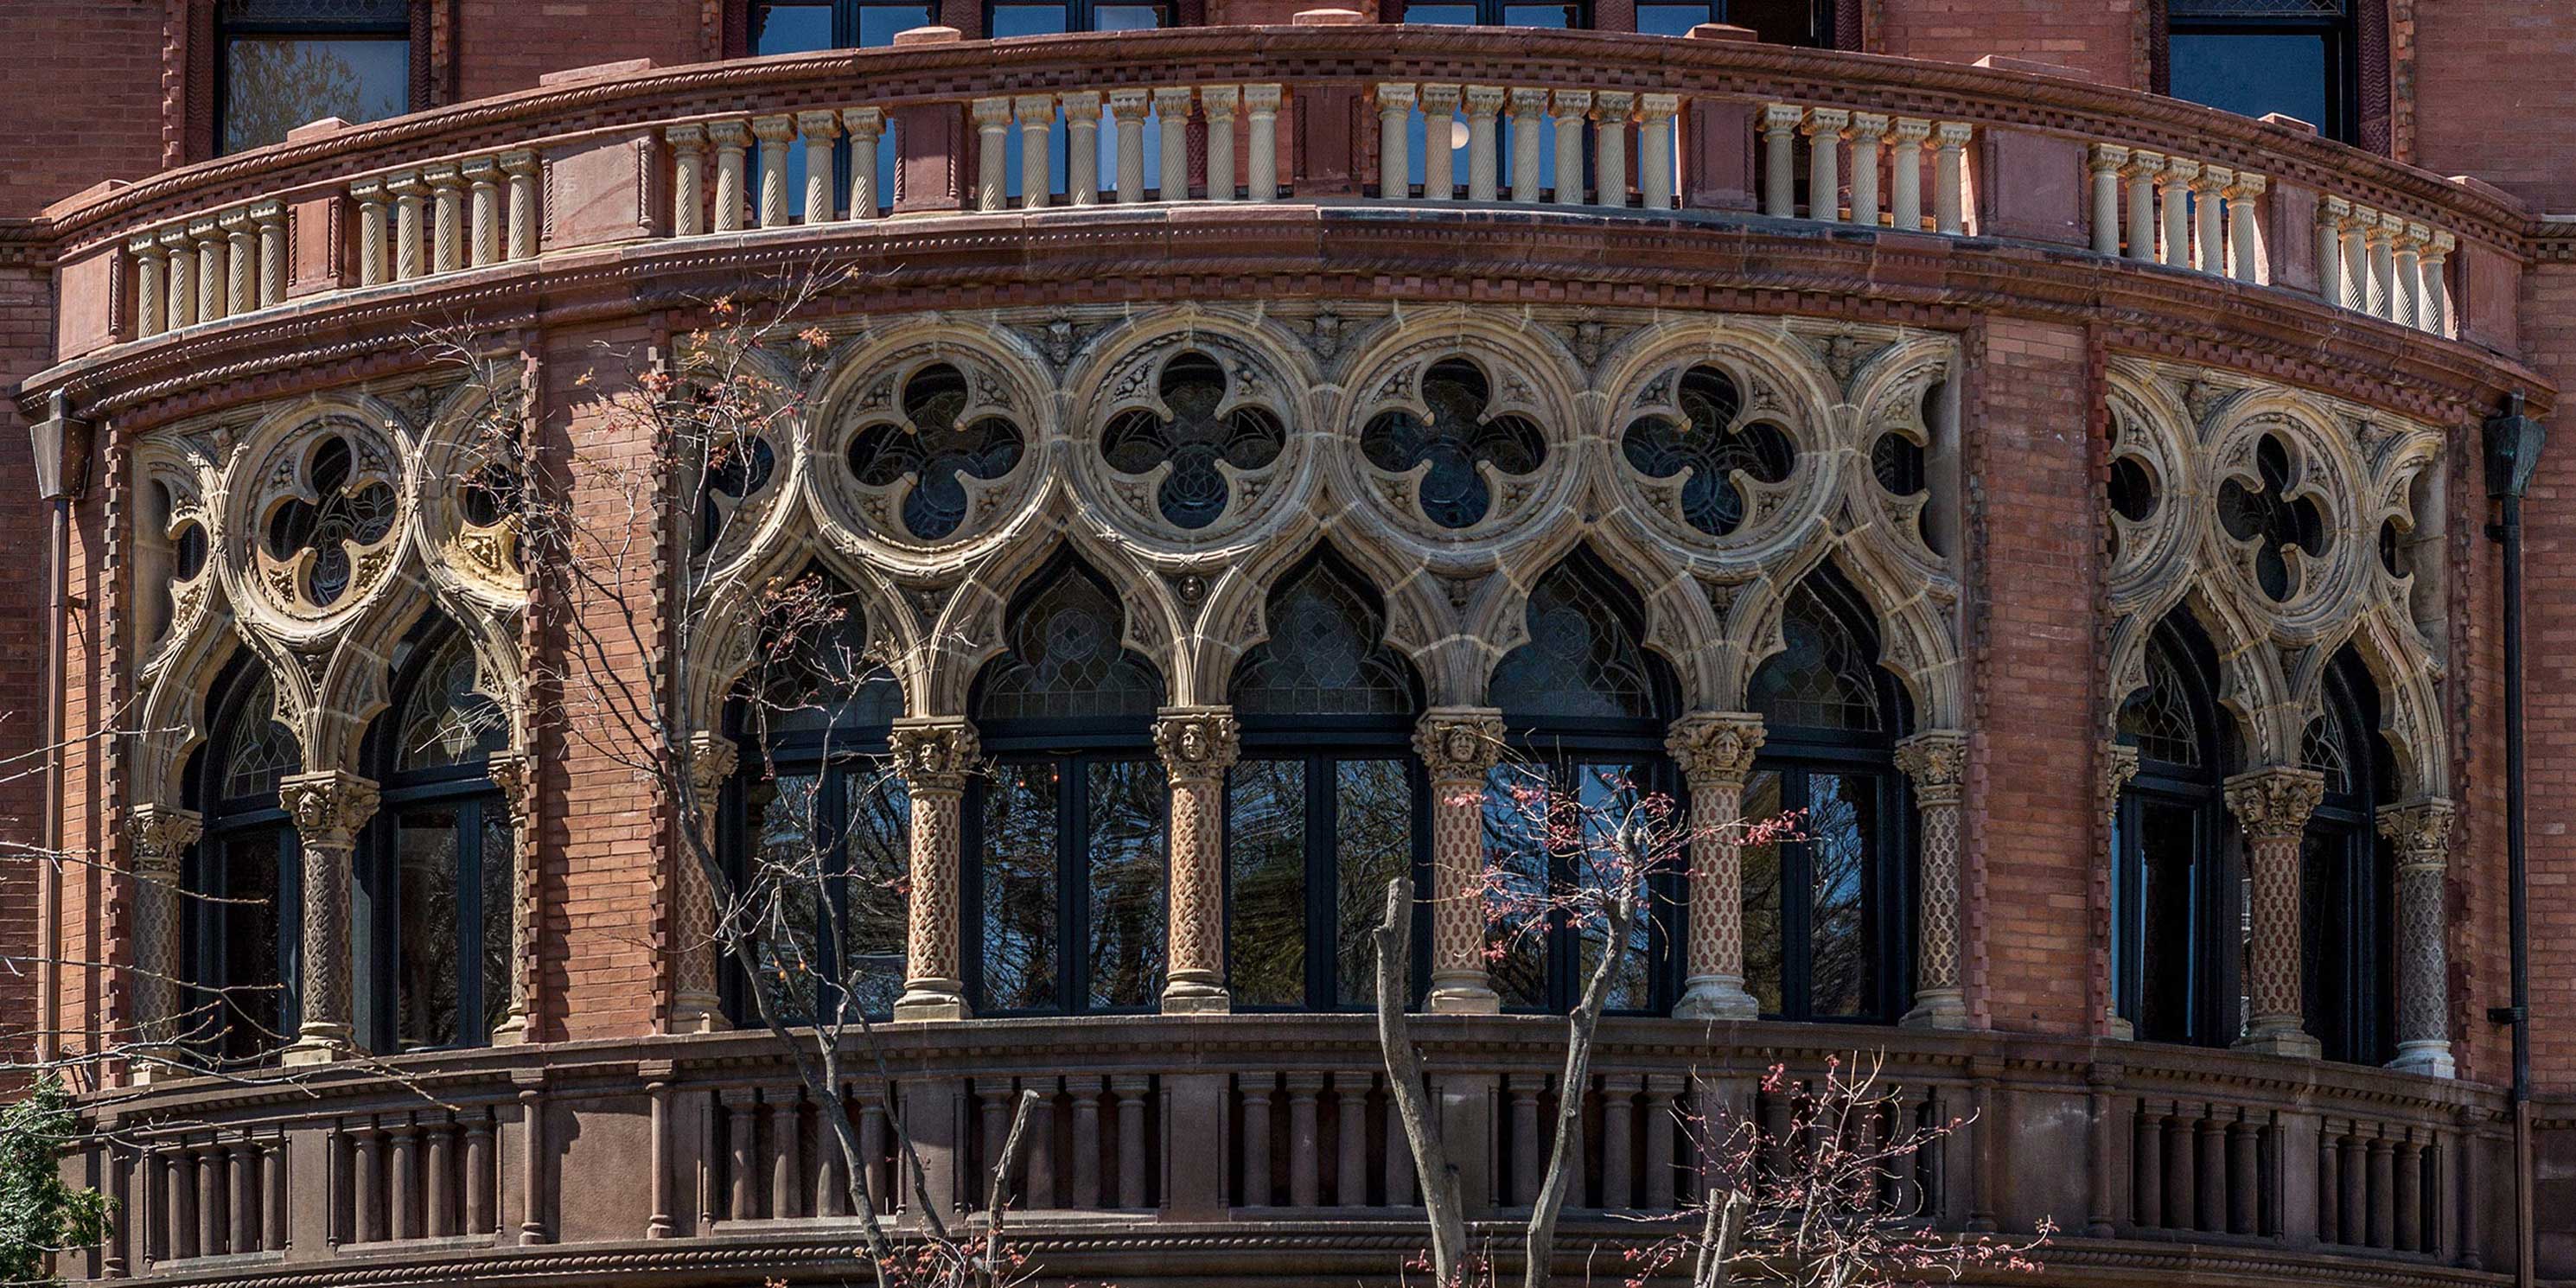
(1664, 129)
(1251, 1119)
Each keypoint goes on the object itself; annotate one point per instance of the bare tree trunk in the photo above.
(1440, 1199)
(1563, 1161)
(996, 1199)
(1721, 1228)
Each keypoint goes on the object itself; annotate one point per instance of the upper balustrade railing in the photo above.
(1310, 114)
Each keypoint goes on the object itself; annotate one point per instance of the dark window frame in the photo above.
(846, 25)
(834, 757)
(1492, 13)
(2214, 984)
(2343, 60)
(227, 822)
(225, 29)
(1081, 17)
(2357, 1003)
(1322, 753)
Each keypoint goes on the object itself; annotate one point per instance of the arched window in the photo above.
(434, 888)
(1589, 708)
(2175, 941)
(1325, 805)
(1827, 922)
(242, 929)
(813, 830)
(2347, 901)
(1065, 838)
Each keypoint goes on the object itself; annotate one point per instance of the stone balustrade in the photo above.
(1864, 168)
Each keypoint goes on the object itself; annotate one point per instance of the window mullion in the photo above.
(1323, 883)
(1073, 885)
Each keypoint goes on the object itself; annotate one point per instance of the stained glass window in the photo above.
(1707, 441)
(1193, 442)
(2162, 721)
(935, 451)
(1325, 655)
(1825, 676)
(1583, 660)
(1067, 660)
(446, 721)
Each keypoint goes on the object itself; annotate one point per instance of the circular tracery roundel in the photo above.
(1710, 459)
(2275, 526)
(1192, 451)
(1463, 453)
(924, 460)
(326, 518)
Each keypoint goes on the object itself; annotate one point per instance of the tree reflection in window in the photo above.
(1827, 925)
(2347, 898)
(1067, 841)
(930, 447)
(1198, 440)
(1456, 443)
(1706, 440)
(242, 931)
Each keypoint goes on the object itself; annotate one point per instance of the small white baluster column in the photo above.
(992, 135)
(688, 179)
(2410, 274)
(2106, 163)
(2208, 248)
(1571, 106)
(1529, 108)
(2145, 168)
(1036, 113)
(151, 311)
(1950, 176)
(1218, 102)
(241, 258)
(1082, 148)
(774, 134)
(2331, 214)
(867, 129)
(1658, 164)
(1780, 123)
(2245, 255)
(1439, 156)
(1127, 107)
(1172, 108)
(1905, 166)
(2356, 259)
(372, 233)
(271, 218)
(1484, 163)
(1824, 131)
(1261, 141)
(213, 268)
(411, 226)
(182, 254)
(1610, 111)
(1394, 110)
(819, 131)
(525, 222)
(2435, 315)
(447, 217)
(1867, 129)
(2174, 187)
(2381, 237)
(729, 139)
(483, 211)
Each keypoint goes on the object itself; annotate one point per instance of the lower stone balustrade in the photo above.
(1855, 157)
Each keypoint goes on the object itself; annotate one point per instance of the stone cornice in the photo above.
(1507, 259)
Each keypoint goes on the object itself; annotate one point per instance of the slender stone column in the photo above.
(2419, 832)
(182, 254)
(866, 125)
(992, 139)
(1937, 761)
(1394, 172)
(1172, 108)
(2380, 235)
(2208, 244)
(696, 1007)
(2435, 313)
(2144, 169)
(934, 755)
(1715, 750)
(521, 166)
(2272, 806)
(1824, 131)
(1127, 109)
(447, 217)
(1261, 142)
(151, 312)
(1218, 103)
(270, 219)
(773, 134)
(1082, 148)
(482, 211)
(1439, 159)
(516, 775)
(818, 130)
(328, 807)
(1780, 159)
(1036, 115)
(1610, 113)
(214, 275)
(688, 179)
(1867, 129)
(241, 255)
(1197, 744)
(1905, 168)
(1529, 110)
(372, 231)
(1459, 746)
(410, 235)
(2108, 161)
(2410, 274)
(2173, 188)
(729, 139)
(2331, 214)
(162, 836)
(1658, 173)
(2245, 254)
(2356, 259)
(1571, 107)
(2114, 765)
(1950, 177)
(1484, 164)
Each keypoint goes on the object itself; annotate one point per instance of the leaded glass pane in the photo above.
(1842, 831)
(345, 516)
(445, 721)
(1825, 675)
(821, 676)
(1193, 441)
(1583, 660)
(1266, 882)
(1608, 793)
(1127, 910)
(1457, 438)
(1762, 910)
(2322, 748)
(1019, 877)
(256, 750)
(1706, 441)
(427, 1005)
(1325, 655)
(2160, 720)
(1067, 662)
(1373, 808)
(935, 451)
(2271, 519)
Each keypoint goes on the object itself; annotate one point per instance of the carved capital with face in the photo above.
(935, 753)
(328, 807)
(1459, 744)
(2274, 804)
(1197, 742)
(1715, 748)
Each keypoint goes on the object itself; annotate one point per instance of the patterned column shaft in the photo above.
(772, 134)
(729, 139)
(1394, 109)
(328, 808)
(2272, 806)
(2113, 766)
(1459, 745)
(2420, 833)
(688, 179)
(515, 774)
(521, 167)
(1172, 108)
(1937, 762)
(1715, 750)
(865, 126)
(150, 314)
(1197, 745)
(934, 755)
(162, 836)
(695, 1005)
(447, 218)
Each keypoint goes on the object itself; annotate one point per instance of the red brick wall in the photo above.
(2097, 39)
(91, 111)
(2033, 604)
(26, 332)
(504, 45)
(2480, 67)
(2549, 677)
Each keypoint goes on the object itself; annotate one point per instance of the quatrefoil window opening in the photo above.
(931, 448)
(319, 538)
(1460, 436)
(1198, 439)
(490, 498)
(2392, 548)
(1706, 440)
(737, 468)
(2269, 519)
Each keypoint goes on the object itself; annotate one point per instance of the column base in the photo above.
(512, 1030)
(2280, 1037)
(1716, 997)
(316, 1044)
(1196, 994)
(1937, 1008)
(1463, 997)
(933, 1000)
(697, 1013)
(2121, 1030)
(2432, 1059)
